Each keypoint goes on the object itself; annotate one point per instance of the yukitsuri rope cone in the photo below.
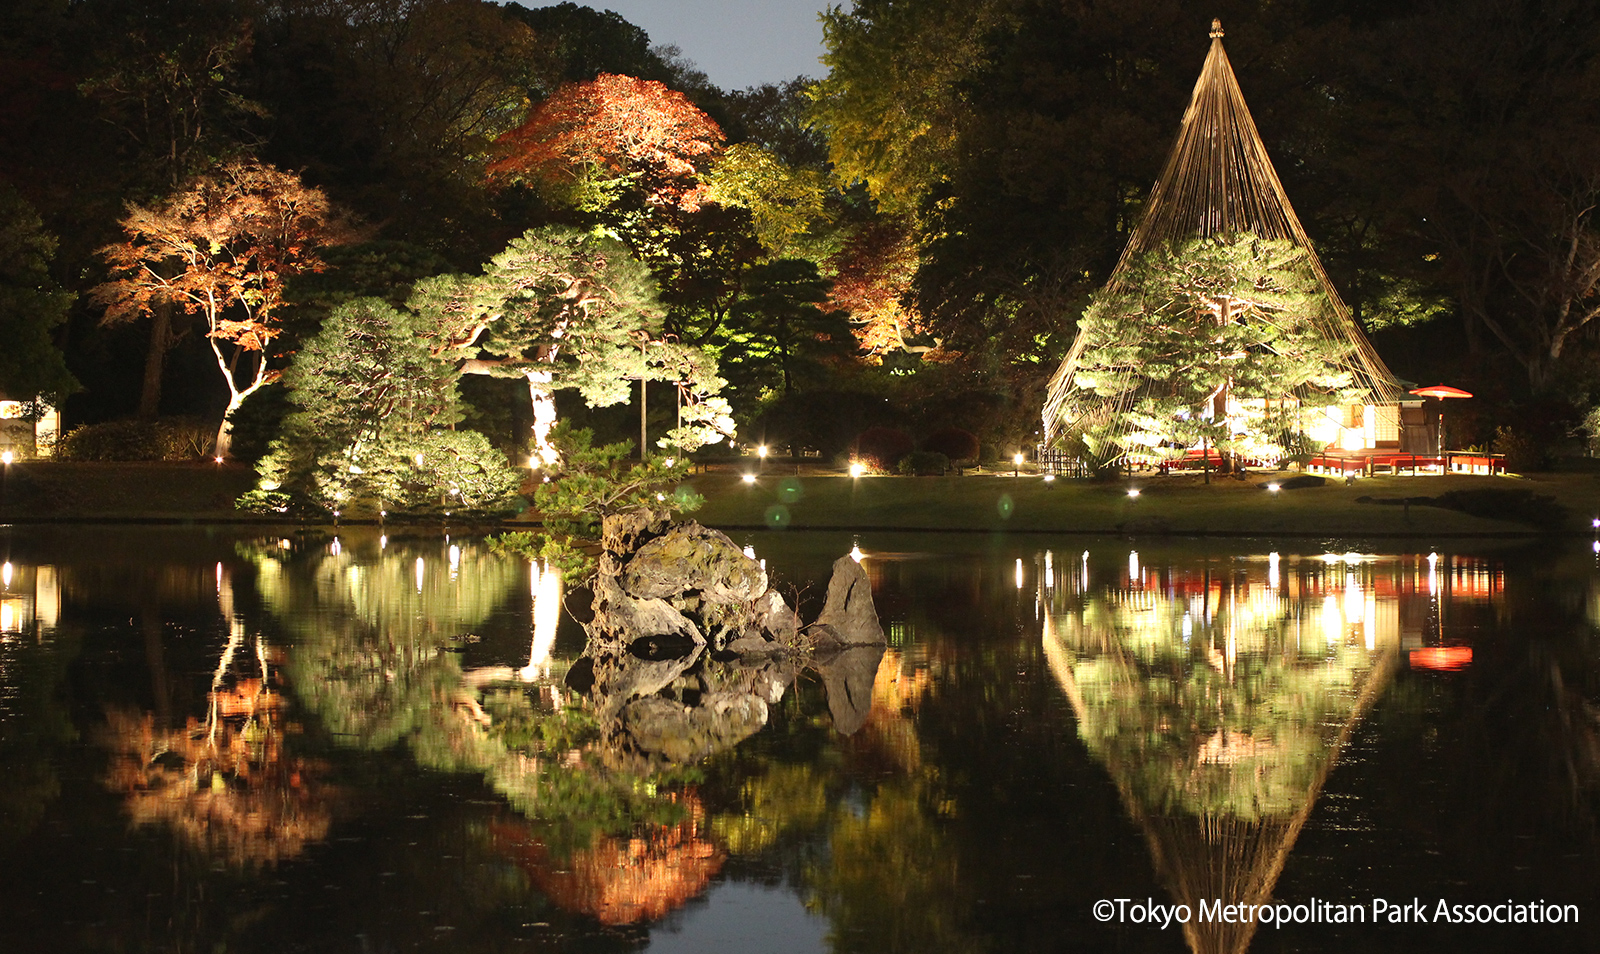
(1218, 182)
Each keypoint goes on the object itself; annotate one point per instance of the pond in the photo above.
(245, 741)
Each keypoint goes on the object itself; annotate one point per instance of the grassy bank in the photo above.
(192, 491)
(1180, 505)
(40, 491)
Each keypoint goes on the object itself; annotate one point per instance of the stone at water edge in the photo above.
(849, 617)
(690, 559)
(775, 629)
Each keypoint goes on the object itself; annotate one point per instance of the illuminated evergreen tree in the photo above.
(1216, 341)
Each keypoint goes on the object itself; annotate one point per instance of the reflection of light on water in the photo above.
(284, 544)
(336, 547)
(7, 615)
(1133, 567)
(455, 561)
(383, 541)
(1332, 619)
(1273, 579)
(545, 585)
(419, 574)
(5, 575)
(1019, 573)
(219, 576)
(1049, 570)
(1433, 574)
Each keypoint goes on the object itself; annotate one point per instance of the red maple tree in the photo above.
(873, 273)
(627, 126)
(222, 249)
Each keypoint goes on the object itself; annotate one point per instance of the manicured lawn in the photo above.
(1165, 505)
(203, 492)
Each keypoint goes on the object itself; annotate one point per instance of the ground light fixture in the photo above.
(1274, 488)
(1016, 463)
(857, 468)
(748, 478)
(1049, 478)
(1133, 491)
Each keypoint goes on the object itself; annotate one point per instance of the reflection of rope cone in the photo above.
(1205, 852)
(546, 587)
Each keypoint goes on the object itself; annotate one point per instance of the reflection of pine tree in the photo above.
(1219, 740)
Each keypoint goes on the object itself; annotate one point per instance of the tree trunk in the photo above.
(544, 417)
(155, 360)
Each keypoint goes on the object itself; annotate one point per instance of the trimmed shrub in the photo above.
(167, 439)
(925, 463)
(955, 443)
(882, 447)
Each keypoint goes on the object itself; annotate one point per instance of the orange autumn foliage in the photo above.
(873, 273)
(225, 786)
(623, 880)
(625, 125)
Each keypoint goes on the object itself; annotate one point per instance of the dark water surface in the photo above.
(231, 741)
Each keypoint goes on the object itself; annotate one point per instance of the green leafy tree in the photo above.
(31, 306)
(786, 203)
(782, 334)
(891, 105)
(1216, 341)
(589, 484)
(372, 426)
(562, 308)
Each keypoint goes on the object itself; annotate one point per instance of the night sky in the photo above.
(739, 43)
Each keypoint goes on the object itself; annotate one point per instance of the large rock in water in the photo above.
(691, 559)
(848, 618)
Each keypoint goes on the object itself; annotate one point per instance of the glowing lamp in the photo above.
(1133, 491)
(1016, 458)
(217, 459)
(7, 457)
(761, 451)
(1049, 478)
(857, 468)
(748, 478)
(1274, 488)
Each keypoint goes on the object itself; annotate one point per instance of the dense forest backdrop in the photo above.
(907, 241)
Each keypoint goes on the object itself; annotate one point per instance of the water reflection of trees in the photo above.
(225, 784)
(379, 661)
(1218, 698)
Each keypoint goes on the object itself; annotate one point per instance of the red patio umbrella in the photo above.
(1441, 391)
